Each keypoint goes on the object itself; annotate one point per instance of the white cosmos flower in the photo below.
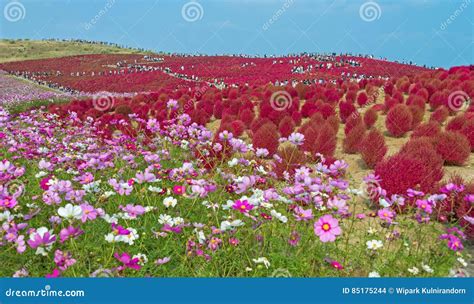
(262, 260)
(226, 225)
(413, 271)
(279, 216)
(170, 202)
(70, 212)
(233, 162)
(374, 244)
(374, 274)
(165, 219)
(427, 268)
(462, 261)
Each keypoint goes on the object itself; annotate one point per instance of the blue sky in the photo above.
(416, 30)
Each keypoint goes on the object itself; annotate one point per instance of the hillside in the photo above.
(16, 50)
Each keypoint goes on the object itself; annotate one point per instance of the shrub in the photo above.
(297, 118)
(401, 172)
(291, 159)
(333, 121)
(423, 148)
(417, 115)
(238, 127)
(258, 122)
(319, 139)
(362, 98)
(440, 114)
(389, 103)
(286, 126)
(468, 131)
(266, 137)
(370, 118)
(351, 122)
(399, 120)
(373, 148)
(429, 129)
(354, 138)
(247, 116)
(456, 123)
(453, 147)
(345, 110)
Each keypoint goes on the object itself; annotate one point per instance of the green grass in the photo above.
(17, 50)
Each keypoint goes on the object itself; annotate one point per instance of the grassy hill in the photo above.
(15, 50)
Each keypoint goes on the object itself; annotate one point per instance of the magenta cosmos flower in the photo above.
(327, 228)
(242, 206)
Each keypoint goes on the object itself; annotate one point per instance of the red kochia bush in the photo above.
(440, 114)
(286, 126)
(352, 141)
(370, 118)
(456, 123)
(238, 128)
(453, 147)
(417, 115)
(319, 139)
(373, 148)
(400, 172)
(399, 120)
(351, 122)
(291, 159)
(345, 110)
(468, 131)
(266, 137)
(429, 129)
(362, 98)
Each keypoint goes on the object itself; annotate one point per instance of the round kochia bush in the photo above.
(399, 120)
(401, 172)
(373, 148)
(266, 137)
(453, 147)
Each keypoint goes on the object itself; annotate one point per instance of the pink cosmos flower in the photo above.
(234, 241)
(327, 228)
(55, 274)
(133, 210)
(119, 230)
(386, 214)
(127, 261)
(303, 215)
(294, 238)
(88, 212)
(424, 205)
(242, 206)
(69, 232)
(162, 261)
(63, 259)
(178, 190)
(214, 243)
(41, 237)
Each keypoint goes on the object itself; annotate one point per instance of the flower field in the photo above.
(230, 166)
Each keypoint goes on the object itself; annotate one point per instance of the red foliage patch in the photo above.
(399, 120)
(453, 147)
(373, 148)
